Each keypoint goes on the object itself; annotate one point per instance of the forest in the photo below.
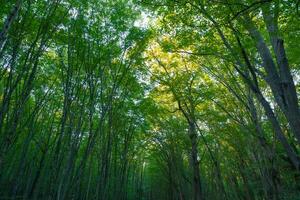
(149, 100)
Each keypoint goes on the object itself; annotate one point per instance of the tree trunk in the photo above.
(8, 22)
(195, 163)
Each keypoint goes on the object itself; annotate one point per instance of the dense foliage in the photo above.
(150, 99)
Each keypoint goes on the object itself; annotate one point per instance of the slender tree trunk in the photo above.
(195, 163)
(269, 172)
(8, 22)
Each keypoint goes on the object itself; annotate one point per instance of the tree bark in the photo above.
(195, 162)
